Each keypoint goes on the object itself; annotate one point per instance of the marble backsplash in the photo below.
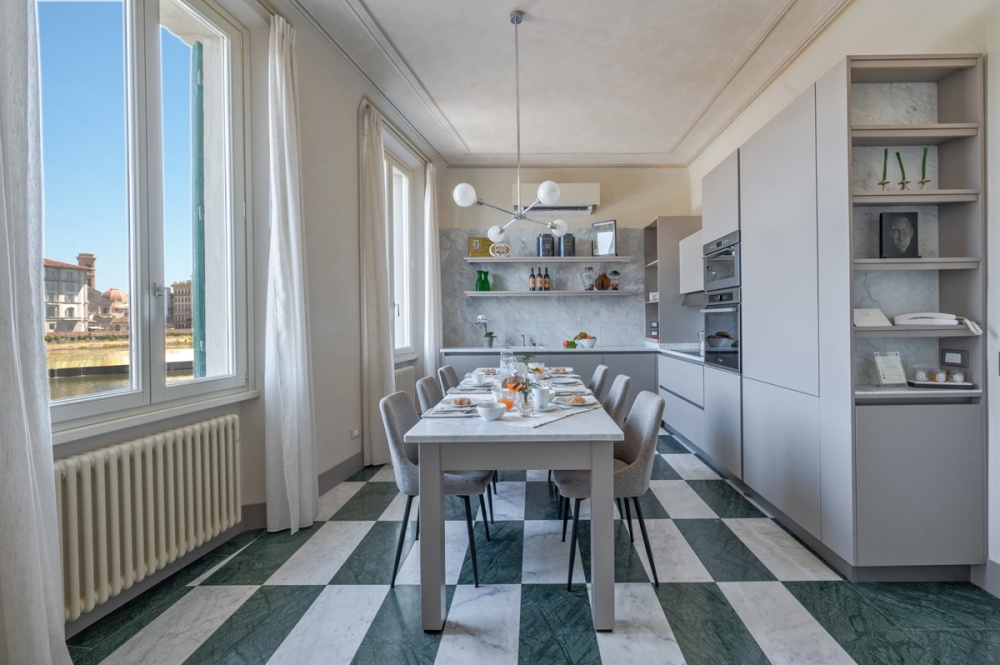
(545, 321)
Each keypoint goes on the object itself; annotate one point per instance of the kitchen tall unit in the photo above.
(674, 320)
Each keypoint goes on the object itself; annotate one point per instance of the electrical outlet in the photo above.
(355, 432)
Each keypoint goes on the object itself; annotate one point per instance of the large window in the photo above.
(143, 139)
(399, 223)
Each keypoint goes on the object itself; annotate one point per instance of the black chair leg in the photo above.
(621, 513)
(572, 543)
(402, 536)
(564, 509)
(418, 523)
(486, 524)
(645, 539)
(496, 474)
(489, 497)
(628, 514)
(472, 539)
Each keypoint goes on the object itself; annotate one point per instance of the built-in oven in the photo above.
(722, 263)
(722, 329)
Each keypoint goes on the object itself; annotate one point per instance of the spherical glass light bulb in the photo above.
(548, 193)
(464, 194)
(559, 228)
(495, 234)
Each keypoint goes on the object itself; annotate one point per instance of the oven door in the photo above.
(722, 269)
(722, 335)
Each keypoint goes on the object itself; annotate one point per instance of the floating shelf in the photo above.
(914, 197)
(930, 134)
(913, 331)
(653, 263)
(871, 394)
(548, 259)
(936, 263)
(542, 294)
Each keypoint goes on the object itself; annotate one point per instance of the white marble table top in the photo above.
(594, 425)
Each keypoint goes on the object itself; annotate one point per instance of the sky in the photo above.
(84, 140)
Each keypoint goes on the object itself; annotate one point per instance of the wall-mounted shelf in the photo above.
(542, 294)
(653, 263)
(548, 259)
(925, 197)
(928, 134)
(895, 393)
(913, 331)
(934, 263)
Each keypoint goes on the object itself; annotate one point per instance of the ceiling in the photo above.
(622, 83)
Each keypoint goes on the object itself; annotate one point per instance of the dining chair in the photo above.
(633, 467)
(614, 404)
(449, 378)
(399, 415)
(597, 382)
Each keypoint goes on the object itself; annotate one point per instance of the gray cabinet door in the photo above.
(781, 450)
(723, 431)
(466, 362)
(920, 496)
(720, 199)
(640, 367)
(582, 363)
(780, 338)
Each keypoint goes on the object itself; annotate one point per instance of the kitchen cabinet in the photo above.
(723, 430)
(682, 390)
(720, 199)
(669, 317)
(692, 274)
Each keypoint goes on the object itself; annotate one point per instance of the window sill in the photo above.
(403, 358)
(76, 430)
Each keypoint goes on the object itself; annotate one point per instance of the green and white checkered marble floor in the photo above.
(735, 588)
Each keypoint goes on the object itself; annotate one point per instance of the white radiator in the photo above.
(128, 510)
(406, 380)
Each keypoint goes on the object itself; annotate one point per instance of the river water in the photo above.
(80, 386)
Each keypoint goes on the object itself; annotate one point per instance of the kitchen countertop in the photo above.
(689, 351)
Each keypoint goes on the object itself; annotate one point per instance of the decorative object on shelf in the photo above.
(500, 250)
(616, 279)
(890, 368)
(567, 245)
(482, 280)
(603, 282)
(955, 358)
(548, 192)
(588, 276)
(885, 167)
(546, 244)
(479, 246)
(902, 172)
(898, 235)
(488, 336)
(605, 241)
(923, 171)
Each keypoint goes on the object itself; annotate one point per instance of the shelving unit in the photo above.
(931, 263)
(920, 197)
(548, 259)
(661, 273)
(542, 294)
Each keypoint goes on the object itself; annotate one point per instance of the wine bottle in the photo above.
(531, 280)
(547, 285)
(539, 285)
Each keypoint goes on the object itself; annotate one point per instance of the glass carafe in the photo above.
(587, 277)
(483, 280)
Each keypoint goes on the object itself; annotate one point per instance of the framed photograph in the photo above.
(898, 235)
(605, 241)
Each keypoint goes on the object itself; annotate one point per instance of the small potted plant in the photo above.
(488, 336)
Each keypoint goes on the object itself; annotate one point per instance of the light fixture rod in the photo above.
(515, 18)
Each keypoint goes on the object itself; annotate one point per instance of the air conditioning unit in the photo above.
(576, 198)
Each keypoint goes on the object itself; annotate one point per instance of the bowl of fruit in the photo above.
(582, 341)
(720, 340)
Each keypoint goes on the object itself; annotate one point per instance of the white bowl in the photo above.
(586, 343)
(719, 342)
(536, 365)
(491, 410)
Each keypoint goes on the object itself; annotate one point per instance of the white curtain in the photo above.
(31, 607)
(432, 274)
(289, 430)
(377, 378)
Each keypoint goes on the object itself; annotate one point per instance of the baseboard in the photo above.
(340, 472)
(987, 576)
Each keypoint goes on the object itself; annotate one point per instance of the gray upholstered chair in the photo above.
(429, 393)
(633, 466)
(399, 415)
(449, 378)
(598, 382)
(614, 404)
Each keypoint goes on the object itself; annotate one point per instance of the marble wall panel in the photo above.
(893, 103)
(866, 167)
(866, 230)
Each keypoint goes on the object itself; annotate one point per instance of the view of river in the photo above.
(79, 386)
(68, 356)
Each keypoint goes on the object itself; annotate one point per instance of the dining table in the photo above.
(565, 438)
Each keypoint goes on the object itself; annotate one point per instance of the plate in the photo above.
(449, 402)
(560, 370)
(550, 407)
(476, 384)
(499, 249)
(565, 381)
(492, 371)
(588, 400)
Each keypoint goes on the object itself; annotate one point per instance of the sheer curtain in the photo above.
(31, 608)
(289, 434)
(432, 274)
(377, 378)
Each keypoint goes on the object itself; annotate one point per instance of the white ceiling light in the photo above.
(548, 192)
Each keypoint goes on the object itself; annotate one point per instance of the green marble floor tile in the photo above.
(395, 636)
(722, 553)
(866, 634)
(258, 561)
(668, 445)
(365, 474)
(368, 503)
(628, 565)
(652, 509)
(499, 559)
(663, 471)
(541, 501)
(371, 560)
(722, 498)
(557, 626)
(235, 544)
(81, 656)
(935, 606)
(961, 647)
(258, 627)
(454, 508)
(707, 628)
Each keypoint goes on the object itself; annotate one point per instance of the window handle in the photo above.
(159, 290)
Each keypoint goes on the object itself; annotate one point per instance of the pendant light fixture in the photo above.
(548, 192)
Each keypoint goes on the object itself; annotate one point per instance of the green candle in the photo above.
(923, 166)
(885, 163)
(902, 171)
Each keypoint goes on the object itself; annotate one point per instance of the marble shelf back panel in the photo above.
(867, 230)
(893, 103)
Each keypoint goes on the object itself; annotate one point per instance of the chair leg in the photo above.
(402, 536)
(628, 514)
(486, 524)
(572, 543)
(418, 523)
(496, 474)
(489, 497)
(564, 509)
(645, 539)
(472, 540)
(621, 513)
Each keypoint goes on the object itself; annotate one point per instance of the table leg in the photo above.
(602, 545)
(432, 589)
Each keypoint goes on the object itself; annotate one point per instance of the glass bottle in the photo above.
(483, 280)
(616, 278)
(603, 282)
(587, 277)
(531, 280)
(546, 284)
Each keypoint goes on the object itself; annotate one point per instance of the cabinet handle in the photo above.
(719, 310)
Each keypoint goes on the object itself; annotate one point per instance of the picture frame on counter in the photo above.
(605, 238)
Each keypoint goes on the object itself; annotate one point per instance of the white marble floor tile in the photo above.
(785, 630)
(538, 475)
(508, 502)
(675, 560)
(689, 467)
(680, 501)
(784, 556)
(211, 571)
(483, 626)
(456, 543)
(384, 475)
(642, 634)
(546, 557)
(333, 627)
(394, 511)
(320, 557)
(174, 635)
(335, 499)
